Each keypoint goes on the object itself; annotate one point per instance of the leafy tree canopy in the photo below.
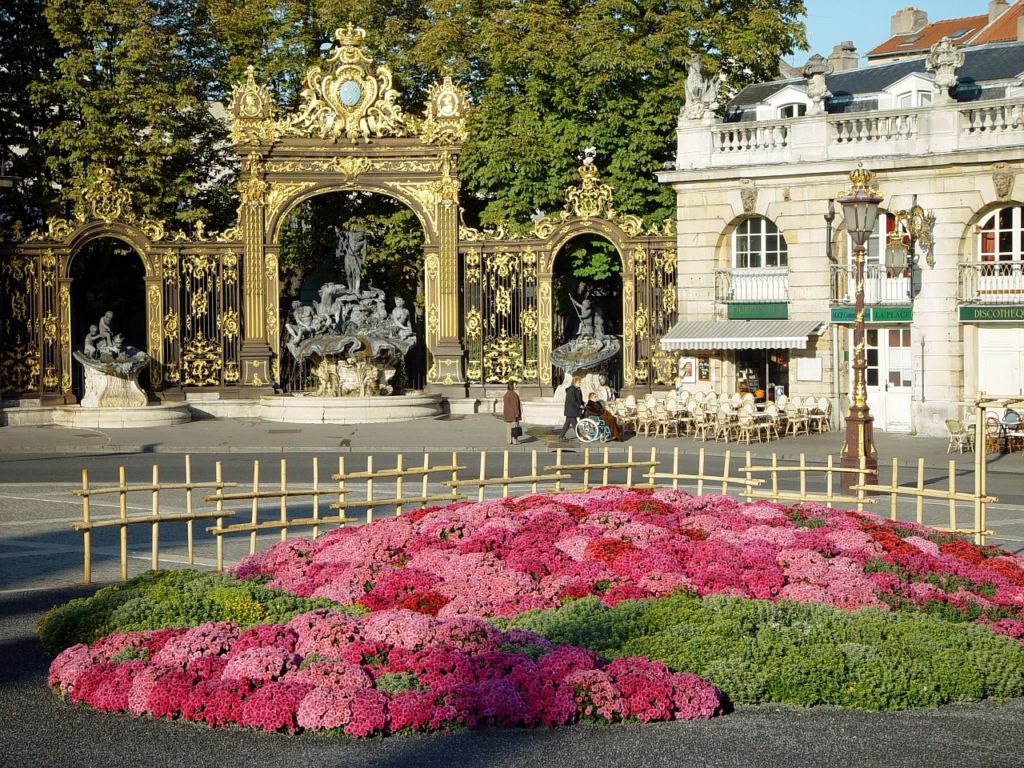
(133, 79)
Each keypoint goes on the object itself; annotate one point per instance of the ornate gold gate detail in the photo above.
(501, 270)
(212, 299)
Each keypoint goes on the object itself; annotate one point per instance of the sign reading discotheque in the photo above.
(1014, 314)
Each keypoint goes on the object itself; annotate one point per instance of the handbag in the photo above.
(517, 431)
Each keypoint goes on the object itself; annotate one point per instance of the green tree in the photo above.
(132, 88)
(26, 49)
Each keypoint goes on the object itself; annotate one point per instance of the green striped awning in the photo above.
(741, 334)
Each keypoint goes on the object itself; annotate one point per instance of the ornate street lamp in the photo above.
(860, 211)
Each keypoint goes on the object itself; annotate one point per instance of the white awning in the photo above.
(741, 334)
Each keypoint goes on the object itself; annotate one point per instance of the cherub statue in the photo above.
(91, 339)
(400, 319)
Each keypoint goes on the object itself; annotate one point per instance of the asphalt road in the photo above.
(38, 550)
(37, 729)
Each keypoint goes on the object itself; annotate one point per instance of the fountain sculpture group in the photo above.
(353, 343)
(111, 368)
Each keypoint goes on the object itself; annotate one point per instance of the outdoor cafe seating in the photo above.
(734, 417)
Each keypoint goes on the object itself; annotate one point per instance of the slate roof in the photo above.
(984, 67)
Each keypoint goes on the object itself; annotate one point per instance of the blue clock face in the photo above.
(349, 93)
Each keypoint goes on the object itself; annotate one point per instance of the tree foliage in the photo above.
(132, 88)
(132, 81)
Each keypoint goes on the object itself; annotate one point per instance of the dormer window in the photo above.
(792, 110)
(912, 99)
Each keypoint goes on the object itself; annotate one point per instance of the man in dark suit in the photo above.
(573, 407)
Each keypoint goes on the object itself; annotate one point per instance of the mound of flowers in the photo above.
(504, 557)
(387, 672)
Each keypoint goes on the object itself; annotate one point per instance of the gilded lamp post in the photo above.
(860, 211)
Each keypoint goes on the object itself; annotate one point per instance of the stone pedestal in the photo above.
(109, 390)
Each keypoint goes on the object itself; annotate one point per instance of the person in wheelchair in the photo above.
(596, 409)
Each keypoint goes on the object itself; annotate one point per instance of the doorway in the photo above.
(107, 275)
(890, 376)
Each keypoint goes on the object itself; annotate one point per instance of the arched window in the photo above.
(911, 99)
(1001, 235)
(757, 243)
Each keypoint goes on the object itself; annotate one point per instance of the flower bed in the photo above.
(392, 671)
(799, 605)
(504, 557)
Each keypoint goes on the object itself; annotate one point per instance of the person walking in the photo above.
(573, 408)
(512, 413)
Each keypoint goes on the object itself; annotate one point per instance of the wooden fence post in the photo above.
(894, 496)
(750, 487)
(828, 480)
(425, 482)
(952, 495)
(504, 474)
(188, 523)
(218, 475)
(558, 470)
(980, 472)
(482, 477)
(700, 472)
(399, 466)
(255, 504)
(725, 472)
(862, 475)
(86, 533)
(920, 487)
(629, 469)
(675, 468)
(316, 496)
(586, 468)
(155, 564)
(122, 512)
(533, 470)
(341, 488)
(803, 474)
(284, 499)
(369, 489)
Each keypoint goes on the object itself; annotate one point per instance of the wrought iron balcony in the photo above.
(991, 282)
(768, 284)
(881, 286)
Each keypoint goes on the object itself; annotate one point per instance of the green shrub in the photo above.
(798, 653)
(180, 598)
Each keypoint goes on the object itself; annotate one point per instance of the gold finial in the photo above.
(350, 36)
(861, 181)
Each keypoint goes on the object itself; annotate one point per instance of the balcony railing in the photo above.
(991, 282)
(991, 119)
(873, 127)
(881, 286)
(750, 137)
(768, 284)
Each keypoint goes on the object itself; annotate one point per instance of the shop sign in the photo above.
(759, 310)
(1013, 314)
(873, 314)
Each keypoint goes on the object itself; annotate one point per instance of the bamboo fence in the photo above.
(353, 496)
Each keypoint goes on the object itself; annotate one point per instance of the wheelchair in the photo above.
(591, 428)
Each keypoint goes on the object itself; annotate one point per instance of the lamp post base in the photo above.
(859, 445)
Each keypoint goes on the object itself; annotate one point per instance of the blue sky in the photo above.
(866, 22)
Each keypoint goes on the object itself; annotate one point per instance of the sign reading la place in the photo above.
(1014, 314)
(873, 314)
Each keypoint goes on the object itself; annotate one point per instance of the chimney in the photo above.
(996, 8)
(844, 56)
(907, 20)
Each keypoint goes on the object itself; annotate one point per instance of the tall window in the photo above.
(758, 243)
(1000, 236)
(792, 110)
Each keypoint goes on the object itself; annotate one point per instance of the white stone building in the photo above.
(765, 284)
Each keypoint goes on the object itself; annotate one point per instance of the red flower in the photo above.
(425, 602)
(607, 550)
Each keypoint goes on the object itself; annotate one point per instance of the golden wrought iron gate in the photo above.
(508, 291)
(212, 299)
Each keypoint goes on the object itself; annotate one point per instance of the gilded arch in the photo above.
(348, 133)
(508, 290)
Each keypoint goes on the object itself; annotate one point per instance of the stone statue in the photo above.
(591, 345)
(352, 247)
(815, 71)
(586, 317)
(944, 59)
(353, 344)
(106, 335)
(111, 368)
(701, 92)
(89, 346)
(400, 319)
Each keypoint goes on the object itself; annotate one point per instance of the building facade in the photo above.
(766, 286)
